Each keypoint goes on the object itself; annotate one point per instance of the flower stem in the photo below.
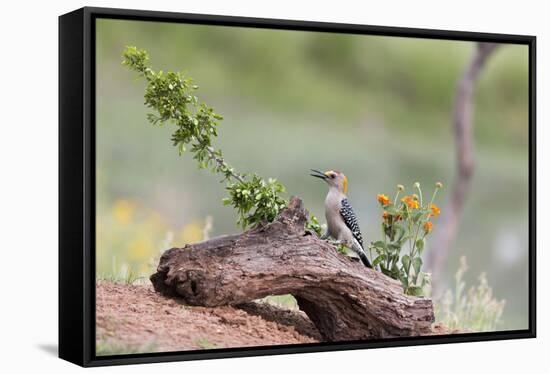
(433, 195)
(396, 196)
(385, 247)
(419, 194)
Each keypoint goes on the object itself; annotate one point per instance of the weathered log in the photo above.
(344, 299)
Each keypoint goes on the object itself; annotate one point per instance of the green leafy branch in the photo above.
(171, 96)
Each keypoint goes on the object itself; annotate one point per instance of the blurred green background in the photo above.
(377, 108)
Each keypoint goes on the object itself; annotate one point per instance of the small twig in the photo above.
(220, 161)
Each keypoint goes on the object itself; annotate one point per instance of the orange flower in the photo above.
(383, 199)
(428, 226)
(411, 202)
(435, 210)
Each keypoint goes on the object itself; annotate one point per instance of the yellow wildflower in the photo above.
(435, 210)
(428, 226)
(191, 233)
(383, 199)
(140, 249)
(123, 211)
(411, 202)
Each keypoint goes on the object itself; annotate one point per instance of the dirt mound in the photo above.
(133, 319)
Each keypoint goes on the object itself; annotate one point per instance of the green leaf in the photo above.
(394, 246)
(417, 264)
(406, 261)
(181, 148)
(378, 260)
(420, 245)
(379, 244)
(342, 249)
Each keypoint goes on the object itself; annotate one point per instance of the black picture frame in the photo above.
(77, 184)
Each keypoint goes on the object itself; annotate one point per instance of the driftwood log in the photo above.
(344, 299)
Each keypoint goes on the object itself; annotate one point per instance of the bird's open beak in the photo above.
(318, 174)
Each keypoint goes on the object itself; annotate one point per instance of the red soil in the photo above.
(133, 319)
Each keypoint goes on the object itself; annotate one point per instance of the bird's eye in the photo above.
(332, 176)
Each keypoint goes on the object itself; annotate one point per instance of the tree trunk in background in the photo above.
(344, 299)
(464, 141)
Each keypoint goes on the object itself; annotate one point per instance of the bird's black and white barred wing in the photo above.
(350, 219)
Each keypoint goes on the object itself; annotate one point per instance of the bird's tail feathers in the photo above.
(357, 248)
(364, 259)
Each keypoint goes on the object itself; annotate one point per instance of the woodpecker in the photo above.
(341, 219)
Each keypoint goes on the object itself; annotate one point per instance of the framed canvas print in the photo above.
(235, 186)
